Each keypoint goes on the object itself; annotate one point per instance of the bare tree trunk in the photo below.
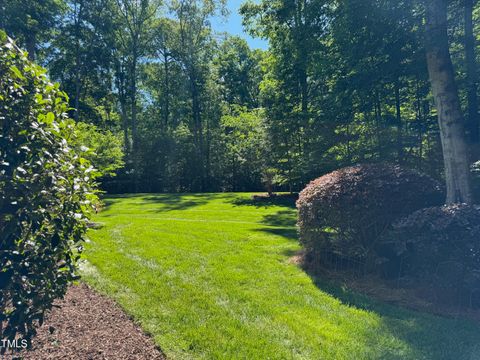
(419, 119)
(167, 88)
(198, 132)
(31, 45)
(302, 50)
(378, 119)
(472, 79)
(122, 97)
(123, 109)
(399, 122)
(133, 99)
(445, 92)
(304, 90)
(78, 89)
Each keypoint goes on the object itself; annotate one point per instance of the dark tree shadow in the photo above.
(282, 223)
(288, 233)
(285, 200)
(430, 336)
(166, 202)
(282, 218)
(107, 203)
(289, 253)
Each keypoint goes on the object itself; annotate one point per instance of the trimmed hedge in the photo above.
(347, 211)
(46, 192)
(440, 250)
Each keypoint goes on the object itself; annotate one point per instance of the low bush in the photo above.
(46, 191)
(440, 251)
(347, 211)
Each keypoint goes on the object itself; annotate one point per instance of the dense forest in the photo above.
(170, 105)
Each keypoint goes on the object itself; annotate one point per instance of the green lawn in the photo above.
(208, 277)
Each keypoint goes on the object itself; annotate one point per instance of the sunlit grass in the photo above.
(208, 276)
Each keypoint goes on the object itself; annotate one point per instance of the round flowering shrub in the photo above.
(46, 191)
(440, 250)
(347, 211)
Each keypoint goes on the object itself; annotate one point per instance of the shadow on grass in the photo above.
(172, 202)
(107, 203)
(285, 200)
(281, 223)
(166, 202)
(429, 336)
(288, 233)
(282, 218)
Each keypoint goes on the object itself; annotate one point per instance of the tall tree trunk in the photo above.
(123, 110)
(31, 45)
(378, 120)
(133, 99)
(419, 119)
(302, 53)
(122, 97)
(399, 122)
(77, 59)
(445, 92)
(304, 90)
(197, 128)
(167, 88)
(207, 167)
(472, 79)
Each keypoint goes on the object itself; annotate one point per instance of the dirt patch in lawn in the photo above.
(87, 326)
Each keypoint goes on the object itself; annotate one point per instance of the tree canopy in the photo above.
(341, 83)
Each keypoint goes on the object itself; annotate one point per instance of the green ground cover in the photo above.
(209, 277)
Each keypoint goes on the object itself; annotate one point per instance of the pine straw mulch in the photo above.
(89, 326)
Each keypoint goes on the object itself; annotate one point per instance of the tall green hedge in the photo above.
(46, 192)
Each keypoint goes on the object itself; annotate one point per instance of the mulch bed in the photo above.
(90, 326)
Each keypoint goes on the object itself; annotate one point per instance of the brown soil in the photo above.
(89, 326)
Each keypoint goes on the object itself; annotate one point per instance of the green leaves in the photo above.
(103, 149)
(17, 72)
(46, 190)
(49, 118)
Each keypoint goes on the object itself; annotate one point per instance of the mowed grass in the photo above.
(209, 277)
